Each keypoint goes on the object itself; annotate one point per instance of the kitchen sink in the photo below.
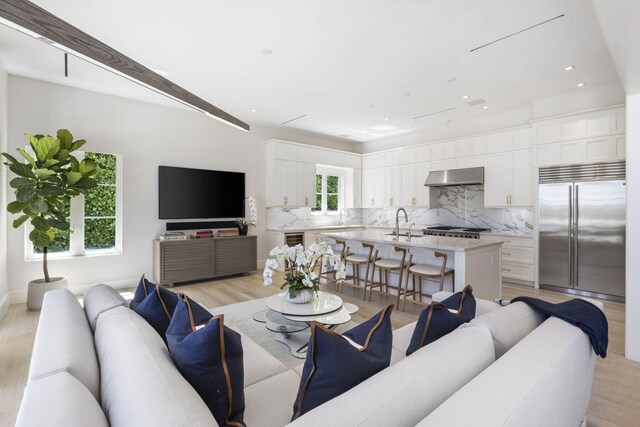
(405, 235)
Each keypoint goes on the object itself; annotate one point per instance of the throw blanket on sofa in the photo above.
(586, 316)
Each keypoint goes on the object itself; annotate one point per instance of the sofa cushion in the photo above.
(544, 380)
(510, 324)
(463, 302)
(209, 356)
(404, 393)
(269, 401)
(59, 400)
(402, 337)
(433, 323)
(323, 379)
(98, 299)
(259, 364)
(140, 384)
(64, 342)
(482, 305)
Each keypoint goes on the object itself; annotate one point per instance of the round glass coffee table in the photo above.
(292, 321)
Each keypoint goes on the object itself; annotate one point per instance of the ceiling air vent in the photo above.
(478, 101)
(434, 113)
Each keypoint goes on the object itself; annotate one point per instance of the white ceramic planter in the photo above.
(302, 297)
(37, 289)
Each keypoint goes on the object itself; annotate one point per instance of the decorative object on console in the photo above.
(209, 356)
(244, 223)
(202, 233)
(440, 318)
(300, 269)
(228, 232)
(154, 304)
(172, 235)
(43, 185)
(363, 351)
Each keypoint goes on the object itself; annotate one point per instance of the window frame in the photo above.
(325, 171)
(77, 219)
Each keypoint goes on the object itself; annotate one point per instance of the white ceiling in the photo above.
(346, 65)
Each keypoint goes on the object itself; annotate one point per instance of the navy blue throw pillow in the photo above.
(463, 302)
(434, 322)
(209, 356)
(334, 365)
(156, 305)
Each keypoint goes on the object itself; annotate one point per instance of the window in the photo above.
(329, 190)
(95, 216)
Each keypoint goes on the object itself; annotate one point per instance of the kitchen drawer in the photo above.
(519, 254)
(517, 271)
(510, 241)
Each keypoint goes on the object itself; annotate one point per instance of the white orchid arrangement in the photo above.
(250, 205)
(301, 264)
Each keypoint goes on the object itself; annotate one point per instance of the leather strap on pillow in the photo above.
(142, 291)
(156, 307)
(323, 379)
(434, 322)
(464, 302)
(210, 358)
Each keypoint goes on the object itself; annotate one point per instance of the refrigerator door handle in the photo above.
(570, 235)
(575, 237)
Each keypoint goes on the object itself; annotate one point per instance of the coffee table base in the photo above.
(296, 342)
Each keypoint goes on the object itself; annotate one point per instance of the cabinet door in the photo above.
(408, 185)
(498, 142)
(522, 186)
(521, 138)
(379, 190)
(497, 180)
(304, 185)
(476, 145)
(393, 184)
(422, 192)
(279, 190)
(357, 189)
(368, 193)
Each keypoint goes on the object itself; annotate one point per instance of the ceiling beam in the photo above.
(35, 21)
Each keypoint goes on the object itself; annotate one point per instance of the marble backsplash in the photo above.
(457, 206)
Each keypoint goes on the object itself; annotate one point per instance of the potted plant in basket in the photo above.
(50, 176)
(243, 223)
(301, 279)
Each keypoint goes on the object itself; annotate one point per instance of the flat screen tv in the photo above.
(197, 193)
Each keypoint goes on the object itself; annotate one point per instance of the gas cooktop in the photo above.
(454, 231)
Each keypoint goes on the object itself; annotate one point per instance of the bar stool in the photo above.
(330, 275)
(356, 261)
(426, 272)
(384, 266)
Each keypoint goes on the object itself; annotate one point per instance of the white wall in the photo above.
(4, 300)
(632, 332)
(147, 135)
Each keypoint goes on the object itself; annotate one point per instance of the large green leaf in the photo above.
(22, 183)
(86, 184)
(21, 169)
(44, 173)
(38, 206)
(9, 157)
(33, 140)
(77, 144)
(73, 177)
(63, 154)
(65, 137)
(49, 162)
(46, 148)
(88, 168)
(26, 195)
(15, 207)
(61, 225)
(27, 157)
(49, 191)
(40, 223)
(71, 192)
(18, 222)
(40, 239)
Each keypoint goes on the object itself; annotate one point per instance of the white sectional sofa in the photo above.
(105, 365)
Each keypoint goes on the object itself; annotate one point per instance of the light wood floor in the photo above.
(615, 400)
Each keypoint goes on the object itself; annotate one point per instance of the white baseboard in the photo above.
(4, 305)
(20, 297)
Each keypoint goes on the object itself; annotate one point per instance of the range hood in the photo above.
(445, 178)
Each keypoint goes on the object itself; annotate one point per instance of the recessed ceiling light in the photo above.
(485, 107)
(386, 119)
(253, 110)
(267, 52)
(465, 96)
(451, 79)
(569, 67)
(408, 126)
(581, 84)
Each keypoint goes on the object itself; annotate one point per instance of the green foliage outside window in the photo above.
(318, 206)
(332, 193)
(100, 205)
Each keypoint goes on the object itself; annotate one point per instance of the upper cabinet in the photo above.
(508, 180)
(593, 136)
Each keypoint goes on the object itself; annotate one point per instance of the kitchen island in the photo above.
(476, 262)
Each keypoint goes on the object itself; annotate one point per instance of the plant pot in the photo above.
(37, 289)
(244, 229)
(302, 297)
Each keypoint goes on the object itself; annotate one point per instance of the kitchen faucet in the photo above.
(406, 219)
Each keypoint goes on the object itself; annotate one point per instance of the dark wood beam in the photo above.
(33, 18)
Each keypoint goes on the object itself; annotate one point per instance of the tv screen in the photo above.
(197, 193)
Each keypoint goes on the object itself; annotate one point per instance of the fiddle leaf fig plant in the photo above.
(50, 177)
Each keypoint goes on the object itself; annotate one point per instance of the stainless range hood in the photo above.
(445, 178)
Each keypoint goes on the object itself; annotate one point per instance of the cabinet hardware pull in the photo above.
(506, 253)
(506, 269)
(507, 197)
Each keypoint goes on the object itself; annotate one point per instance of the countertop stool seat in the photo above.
(356, 261)
(384, 267)
(426, 272)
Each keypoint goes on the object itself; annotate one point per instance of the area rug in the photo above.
(240, 317)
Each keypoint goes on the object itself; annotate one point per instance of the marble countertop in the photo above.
(498, 233)
(315, 227)
(418, 241)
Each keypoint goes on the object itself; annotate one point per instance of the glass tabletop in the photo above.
(276, 322)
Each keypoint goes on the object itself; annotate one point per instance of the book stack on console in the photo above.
(203, 233)
(228, 232)
(172, 235)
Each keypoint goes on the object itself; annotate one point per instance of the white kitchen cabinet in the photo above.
(590, 124)
(354, 197)
(422, 154)
(305, 184)
(306, 154)
(443, 150)
(407, 156)
(518, 260)
(477, 145)
(422, 192)
(379, 188)
(508, 179)
(284, 185)
(413, 190)
(443, 165)
(498, 142)
(462, 148)
(367, 188)
(393, 186)
(520, 139)
(470, 162)
(587, 150)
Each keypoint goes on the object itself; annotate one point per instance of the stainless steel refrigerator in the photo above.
(582, 212)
